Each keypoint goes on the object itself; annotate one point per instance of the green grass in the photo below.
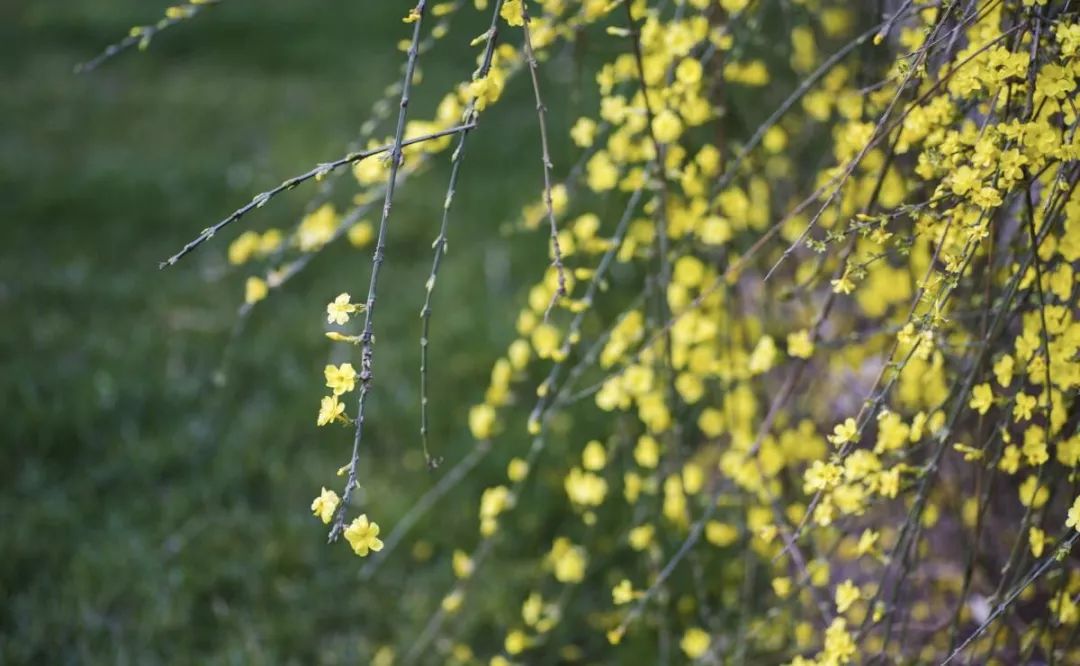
(149, 516)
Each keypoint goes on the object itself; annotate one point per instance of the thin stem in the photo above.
(320, 170)
(530, 58)
(141, 35)
(439, 246)
(367, 353)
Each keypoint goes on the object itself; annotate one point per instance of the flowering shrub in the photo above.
(800, 383)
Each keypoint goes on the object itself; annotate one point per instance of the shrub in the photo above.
(799, 383)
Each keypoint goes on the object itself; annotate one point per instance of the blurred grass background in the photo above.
(148, 516)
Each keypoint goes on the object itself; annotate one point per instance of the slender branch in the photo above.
(439, 246)
(1036, 572)
(141, 35)
(317, 172)
(541, 112)
(367, 353)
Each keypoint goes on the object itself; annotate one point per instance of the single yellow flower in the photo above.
(982, 397)
(339, 310)
(844, 432)
(800, 345)
(667, 126)
(363, 535)
(594, 457)
(325, 505)
(482, 420)
(623, 593)
(1037, 539)
(695, 642)
(843, 285)
(1073, 519)
(329, 410)
(361, 234)
(847, 593)
(341, 379)
(1024, 405)
(513, 12)
(255, 289)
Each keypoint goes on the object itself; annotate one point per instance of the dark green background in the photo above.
(148, 516)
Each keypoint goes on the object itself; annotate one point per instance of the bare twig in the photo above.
(317, 172)
(367, 338)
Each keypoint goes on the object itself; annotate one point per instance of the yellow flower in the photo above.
(338, 311)
(695, 642)
(512, 12)
(241, 249)
(1010, 459)
(782, 586)
(641, 537)
(384, 656)
(1034, 494)
(1024, 405)
(569, 561)
(317, 228)
(689, 71)
(799, 344)
(623, 593)
(843, 285)
(462, 564)
(583, 132)
(821, 476)
(602, 174)
(1034, 448)
(486, 90)
(1065, 607)
(982, 397)
(255, 289)
(1003, 370)
(451, 603)
(482, 421)
(361, 234)
(763, 356)
(844, 432)
(363, 535)
(269, 241)
(585, 488)
(867, 542)
(839, 645)
(517, 469)
(325, 505)
(970, 453)
(647, 452)
(720, 534)
(666, 126)
(516, 641)
(594, 457)
(329, 410)
(545, 340)
(341, 379)
(847, 593)
(715, 230)
(711, 422)
(1073, 518)
(532, 609)
(1037, 539)
(964, 179)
